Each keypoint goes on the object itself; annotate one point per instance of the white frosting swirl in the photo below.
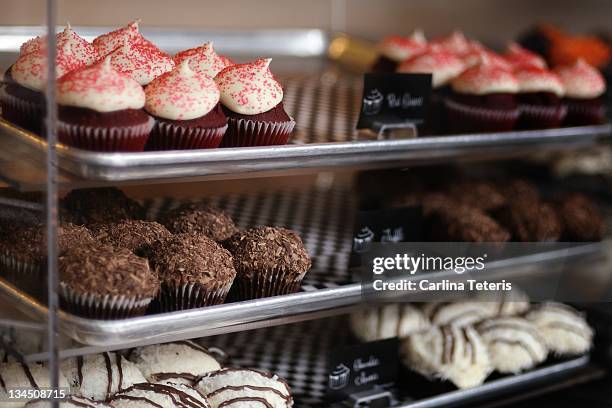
(204, 60)
(141, 63)
(77, 46)
(107, 43)
(101, 88)
(30, 70)
(181, 94)
(486, 78)
(443, 66)
(581, 80)
(535, 79)
(249, 88)
(401, 48)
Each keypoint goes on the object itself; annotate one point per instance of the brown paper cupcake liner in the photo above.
(263, 284)
(112, 139)
(21, 112)
(102, 308)
(584, 114)
(170, 136)
(247, 133)
(19, 270)
(541, 116)
(172, 298)
(466, 118)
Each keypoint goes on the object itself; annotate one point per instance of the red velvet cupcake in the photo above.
(140, 62)
(252, 100)
(519, 57)
(483, 100)
(457, 44)
(23, 99)
(101, 109)
(584, 87)
(107, 43)
(204, 60)
(186, 107)
(395, 49)
(539, 98)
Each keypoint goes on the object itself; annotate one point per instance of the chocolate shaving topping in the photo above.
(530, 221)
(200, 218)
(101, 205)
(135, 235)
(266, 248)
(467, 224)
(580, 218)
(104, 270)
(191, 258)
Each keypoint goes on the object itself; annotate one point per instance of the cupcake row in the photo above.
(121, 93)
(115, 264)
(169, 375)
(479, 210)
(506, 336)
(478, 90)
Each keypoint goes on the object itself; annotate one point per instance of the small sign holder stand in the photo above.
(399, 130)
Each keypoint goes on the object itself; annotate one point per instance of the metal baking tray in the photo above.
(248, 314)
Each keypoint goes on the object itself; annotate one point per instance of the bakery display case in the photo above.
(188, 213)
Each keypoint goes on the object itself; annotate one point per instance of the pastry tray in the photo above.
(324, 220)
(325, 137)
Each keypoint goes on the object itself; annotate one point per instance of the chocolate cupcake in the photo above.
(23, 99)
(103, 282)
(466, 224)
(185, 105)
(580, 218)
(252, 100)
(530, 221)
(23, 249)
(539, 98)
(194, 272)
(204, 60)
(270, 261)
(393, 50)
(483, 195)
(90, 206)
(483, 100)
(136, 235)
(443, 66)
(584, 88)
(101, 109)
(201, 219)
(519, 190)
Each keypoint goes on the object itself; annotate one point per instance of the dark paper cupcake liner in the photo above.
(27, 274)
(244, 133)
(112, 139)
(263, 284)
(465, 118)
(172, 298)
(23, 113)
(584, 113)
(170, 136)
(541, 116)
(102, 308)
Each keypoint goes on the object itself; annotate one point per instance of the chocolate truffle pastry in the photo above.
(69, 402)
(160, 396)
(185, 105)
(181, 362)
(466, 224)
(564, 329)
(194, 271)
(100, 376)
(270, 261)
(580, 218)
(16, 375)
(23, 249)
(451, 353)
(103, 282)
(514, 343)
(530, 221)
(228, 381)
(101, 205)
(101, 109)
(252, 100)
(478, 194)
(200, 218)
(388, 321)
(136, 235)
(584, 88)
